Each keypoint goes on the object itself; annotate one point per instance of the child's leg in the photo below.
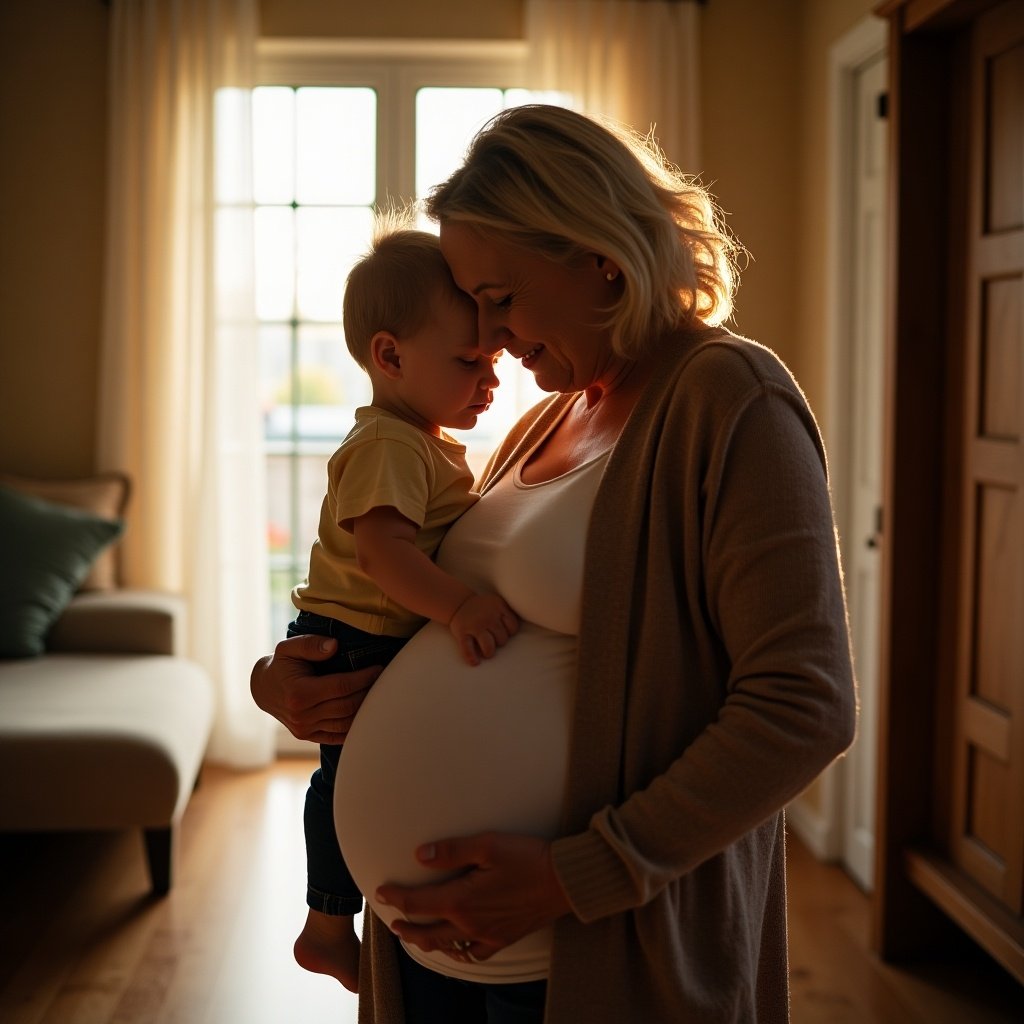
(328, 943)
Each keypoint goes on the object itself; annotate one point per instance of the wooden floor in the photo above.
(81, 943)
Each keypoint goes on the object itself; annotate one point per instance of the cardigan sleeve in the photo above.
(749, 618)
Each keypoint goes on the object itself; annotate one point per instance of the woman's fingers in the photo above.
(504, 887)
(312, 707)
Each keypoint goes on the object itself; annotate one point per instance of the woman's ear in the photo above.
(608, 268)
(384, 354)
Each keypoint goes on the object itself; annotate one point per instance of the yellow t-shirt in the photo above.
(383, 461)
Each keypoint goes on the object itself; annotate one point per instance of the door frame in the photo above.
(820, 824)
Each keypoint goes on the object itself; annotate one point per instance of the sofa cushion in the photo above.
(104, 495)
(100, 741)
(46, 551)
(121, 622)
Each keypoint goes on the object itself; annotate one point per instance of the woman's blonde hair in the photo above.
(561, 185)
(396, 285)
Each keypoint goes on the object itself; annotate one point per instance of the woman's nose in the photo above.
(492, 337)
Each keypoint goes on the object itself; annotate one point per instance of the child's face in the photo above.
(446, 380)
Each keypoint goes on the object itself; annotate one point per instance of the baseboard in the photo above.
(286, 745)
(814, 830)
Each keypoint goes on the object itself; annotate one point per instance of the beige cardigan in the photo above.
(714, 684)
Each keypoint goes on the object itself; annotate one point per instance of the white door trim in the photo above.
(821, 827)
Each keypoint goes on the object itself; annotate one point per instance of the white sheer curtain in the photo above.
(178, 376)
(636, 61)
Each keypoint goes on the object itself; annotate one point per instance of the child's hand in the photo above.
(482, 624)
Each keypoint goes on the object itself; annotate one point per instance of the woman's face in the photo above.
(545, 314)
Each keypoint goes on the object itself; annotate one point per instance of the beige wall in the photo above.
(823, 25)
(407, 19)
(53, 134)
(763, 122)
(750, 130)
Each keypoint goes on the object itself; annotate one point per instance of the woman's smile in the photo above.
(548, 315)
(527, 358)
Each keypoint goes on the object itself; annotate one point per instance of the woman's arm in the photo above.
(310, 707)
(773, 676)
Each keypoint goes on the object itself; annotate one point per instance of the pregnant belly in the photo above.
(439, 749)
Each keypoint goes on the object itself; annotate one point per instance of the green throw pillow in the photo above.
(46, 551)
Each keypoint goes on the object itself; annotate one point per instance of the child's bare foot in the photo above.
(328, 945)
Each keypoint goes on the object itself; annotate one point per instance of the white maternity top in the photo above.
(440, 748)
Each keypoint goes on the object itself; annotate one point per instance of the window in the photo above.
(337, 132)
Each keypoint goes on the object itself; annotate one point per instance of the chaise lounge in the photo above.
(103, 722)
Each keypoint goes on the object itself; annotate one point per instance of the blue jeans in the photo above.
(432, 998)
(329, 885)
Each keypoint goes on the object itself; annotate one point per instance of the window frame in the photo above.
(396, 69)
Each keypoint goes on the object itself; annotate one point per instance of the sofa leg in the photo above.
(159, 854)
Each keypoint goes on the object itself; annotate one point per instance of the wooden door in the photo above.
(987, 821)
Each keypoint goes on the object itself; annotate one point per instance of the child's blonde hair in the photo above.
(395, 286)
(561, 185)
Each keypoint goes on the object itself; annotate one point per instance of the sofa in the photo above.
(103, 721)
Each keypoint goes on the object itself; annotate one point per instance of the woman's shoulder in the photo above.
(730, 357)
(706, 383)
(718, 371)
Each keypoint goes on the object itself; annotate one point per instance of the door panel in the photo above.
(987, 823)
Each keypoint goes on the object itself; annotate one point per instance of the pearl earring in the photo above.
(609, 276)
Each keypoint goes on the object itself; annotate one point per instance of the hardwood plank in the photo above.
(836, 979)
(47, 931)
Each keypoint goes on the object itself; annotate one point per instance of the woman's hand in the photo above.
(508, 889)
(310, 707)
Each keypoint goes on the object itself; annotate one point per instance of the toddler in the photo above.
(394, 486)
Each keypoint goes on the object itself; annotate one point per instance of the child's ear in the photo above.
(384, 354)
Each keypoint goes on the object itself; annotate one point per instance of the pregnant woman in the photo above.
(589, 827)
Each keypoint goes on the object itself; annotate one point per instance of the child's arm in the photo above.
(386, 551)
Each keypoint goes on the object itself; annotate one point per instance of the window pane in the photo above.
(282, 611)
(336, 139)
(312, 484)
(446, 120)
(279, 511)
(329, 242)
(231, 112)
(275, 341)
(517, 97)
(517, 391)
(343, 382)
(273, 115)
(275, 263)
(332, 385)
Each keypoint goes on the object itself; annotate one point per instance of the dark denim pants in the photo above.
(329, 886)
(432, 998)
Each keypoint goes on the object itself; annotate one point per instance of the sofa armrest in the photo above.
(121, 622)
